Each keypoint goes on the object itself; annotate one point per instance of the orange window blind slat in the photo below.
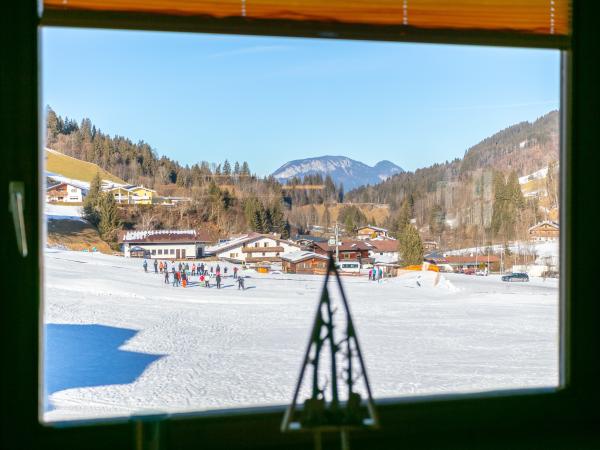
(541, 17)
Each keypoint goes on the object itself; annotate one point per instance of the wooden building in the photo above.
(304, 262)
(348, 250)
(544, 231)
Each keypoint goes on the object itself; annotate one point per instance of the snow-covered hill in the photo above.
(349, 172)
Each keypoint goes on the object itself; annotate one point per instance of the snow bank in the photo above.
(120, 341)
(62, 212)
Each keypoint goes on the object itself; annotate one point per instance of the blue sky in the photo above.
(197, 97)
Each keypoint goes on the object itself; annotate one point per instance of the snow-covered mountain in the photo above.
(349, 172)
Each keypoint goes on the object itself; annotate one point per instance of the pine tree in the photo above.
(52, 127)
(410, 246)
(109, 216)
(236, 168)
(90, 202)
(278, 221)
(245, 168)
(403, 218)
(226, 168)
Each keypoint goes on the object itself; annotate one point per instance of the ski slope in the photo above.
(119, 342)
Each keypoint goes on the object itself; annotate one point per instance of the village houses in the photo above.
(254, 248)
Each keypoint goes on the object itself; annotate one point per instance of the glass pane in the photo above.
(431, 173)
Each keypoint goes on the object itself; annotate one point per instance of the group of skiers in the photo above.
(182, 272)
(375, 274)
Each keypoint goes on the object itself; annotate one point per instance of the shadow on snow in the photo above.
(79, 356)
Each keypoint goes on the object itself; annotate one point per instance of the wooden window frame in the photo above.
(542, 418)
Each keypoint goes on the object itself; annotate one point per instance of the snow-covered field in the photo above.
(120, 342)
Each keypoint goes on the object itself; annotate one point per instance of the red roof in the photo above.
(384, 245)
(346, 246)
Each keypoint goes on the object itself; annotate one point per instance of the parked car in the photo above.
(469, 271)
(515, 277)
(481, 273)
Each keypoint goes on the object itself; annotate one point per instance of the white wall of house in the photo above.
(74, 195)
(384, 257)
(165, 251)
(235, 253)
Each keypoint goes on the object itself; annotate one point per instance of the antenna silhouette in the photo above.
(324, 411)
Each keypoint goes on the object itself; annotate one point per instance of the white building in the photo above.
(66, 192)
(166, 244)
(253, 248)
(383, 250)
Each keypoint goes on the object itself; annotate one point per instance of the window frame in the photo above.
(523, 418)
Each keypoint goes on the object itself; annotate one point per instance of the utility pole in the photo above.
(337, 246)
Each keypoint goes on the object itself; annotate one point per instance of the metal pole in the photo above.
(337, 247)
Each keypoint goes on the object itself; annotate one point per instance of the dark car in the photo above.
(515, 277)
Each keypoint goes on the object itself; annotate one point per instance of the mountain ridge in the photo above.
(343, 170)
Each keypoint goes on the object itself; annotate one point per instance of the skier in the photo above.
(202, 280)
(211, 269)
(183, 279)
(156, 266)
(225, 270)
(235, 271)
(180, 266)
(145, 266)
(218, 280)
(202, 268)
(166, 276)
(218, 268)
(370, 274)
(160, 267)
(193, 269)
(240, 281)
(174, 276)
(206, 281)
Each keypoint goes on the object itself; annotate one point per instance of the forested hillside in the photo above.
(471, 200)
(465, 200)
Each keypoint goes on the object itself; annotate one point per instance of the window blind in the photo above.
(539, 17)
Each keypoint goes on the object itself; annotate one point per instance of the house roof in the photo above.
(302, 255)
(245, 239)
(383, 230)
(130, 187)
(70, 183)
(345, 246)
(309, 237)
(544, 222)
(165, 236)
(384, 245)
